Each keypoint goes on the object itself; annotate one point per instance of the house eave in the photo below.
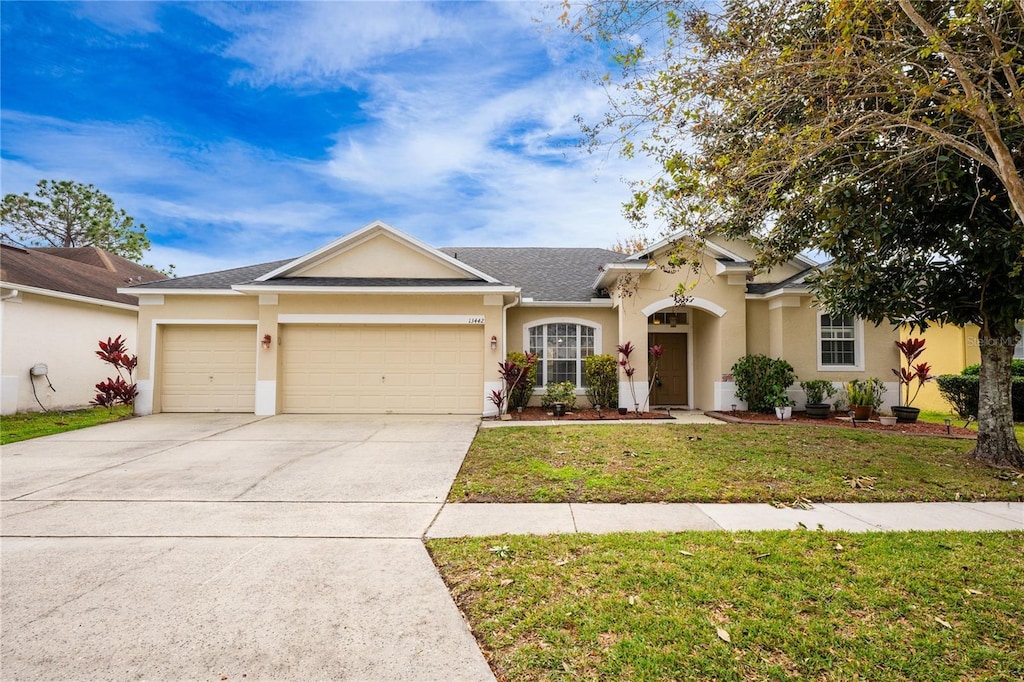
(612, 270)
(132, 291)
(592, 303)
(63, 295)
(776, 293)
(314, 290)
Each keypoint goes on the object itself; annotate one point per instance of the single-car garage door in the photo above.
(382, 368)
(208, 368)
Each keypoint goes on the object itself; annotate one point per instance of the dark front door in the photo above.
(672, 370)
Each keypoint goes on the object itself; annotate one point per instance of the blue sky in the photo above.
(242, 133)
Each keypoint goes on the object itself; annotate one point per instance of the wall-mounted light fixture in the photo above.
(266, 340)
(494, 343)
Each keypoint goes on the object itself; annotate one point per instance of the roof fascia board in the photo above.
(615, 268)
(786, 291)
(353, 239)
(592, 303)
(132, 291)
(73, 297)
(711, 245)
(271, 288)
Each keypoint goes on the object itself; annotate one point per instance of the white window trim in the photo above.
(598, 340)
(858, 347)
(1019, 354)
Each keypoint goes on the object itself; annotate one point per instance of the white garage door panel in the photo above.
(372, 369)
(208, 368)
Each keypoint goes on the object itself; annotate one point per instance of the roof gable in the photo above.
(377, 251)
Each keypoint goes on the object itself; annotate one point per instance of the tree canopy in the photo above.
(889, 135)
(63, 213)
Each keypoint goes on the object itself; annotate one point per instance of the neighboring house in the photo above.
(55, 305)
(378, 321)
(949, 349)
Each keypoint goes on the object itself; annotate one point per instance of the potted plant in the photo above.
(910, 349)
(887, 418)
(864, 397)
(782, 403)
(817, 392)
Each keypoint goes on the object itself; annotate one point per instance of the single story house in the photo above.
(55, 305)
(378, 321)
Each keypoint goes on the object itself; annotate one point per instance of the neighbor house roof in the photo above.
(87, 272)
(543, 274)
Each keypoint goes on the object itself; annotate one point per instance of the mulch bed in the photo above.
(534, 414)
(917, 428)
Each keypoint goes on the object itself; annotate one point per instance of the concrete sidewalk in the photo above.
(460, 519)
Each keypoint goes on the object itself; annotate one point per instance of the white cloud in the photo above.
(317, 43)
(122, 18)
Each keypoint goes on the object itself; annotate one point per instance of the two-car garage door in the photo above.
(418, 369)
(415, 369)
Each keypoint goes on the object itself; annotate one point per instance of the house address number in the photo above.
(476, 320)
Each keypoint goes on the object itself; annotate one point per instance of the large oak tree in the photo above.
(889, 135)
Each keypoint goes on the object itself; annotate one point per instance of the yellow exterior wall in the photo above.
(758, 328)
(948, 349)
(382, 256)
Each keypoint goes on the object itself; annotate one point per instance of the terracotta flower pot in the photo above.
(861, 413)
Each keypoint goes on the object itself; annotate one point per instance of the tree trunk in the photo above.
(997, 443)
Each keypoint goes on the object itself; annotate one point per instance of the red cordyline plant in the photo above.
(911, 349)
(625, 350)
(512, 377)
(119, 390)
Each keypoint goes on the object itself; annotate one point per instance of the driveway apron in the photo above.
(231, 547)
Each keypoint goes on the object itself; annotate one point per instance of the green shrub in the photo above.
(564, 392)
(601, 373)
(864, 392)
(1016, 369)
(757, 376)
(519, 395)
(962, 393)
(818, 391)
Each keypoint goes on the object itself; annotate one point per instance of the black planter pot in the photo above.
(818, 410)
(623, 410)
(905, 415)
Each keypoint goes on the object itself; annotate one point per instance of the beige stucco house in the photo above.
(378, 321)
(55, 304)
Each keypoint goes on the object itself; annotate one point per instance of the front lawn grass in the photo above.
(775, 605)
(936, 417)
(728, 463)
(16, 427)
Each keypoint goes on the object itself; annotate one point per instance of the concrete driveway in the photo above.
(230, 547)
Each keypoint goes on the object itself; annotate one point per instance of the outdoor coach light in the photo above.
(494, 343)
(266, 340)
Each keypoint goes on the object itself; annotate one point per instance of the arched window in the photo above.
(561, 347)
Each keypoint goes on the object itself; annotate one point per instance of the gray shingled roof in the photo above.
(544, 274)
(222, 279)
(373, 282)
(772, 286)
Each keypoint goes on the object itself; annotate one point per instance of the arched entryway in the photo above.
(673, 328)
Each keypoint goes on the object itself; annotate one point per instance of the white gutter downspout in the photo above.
(12, 294)
(504, 325)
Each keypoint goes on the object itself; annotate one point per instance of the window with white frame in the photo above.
(837, 341)
(560, 348)
(1018, 350)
